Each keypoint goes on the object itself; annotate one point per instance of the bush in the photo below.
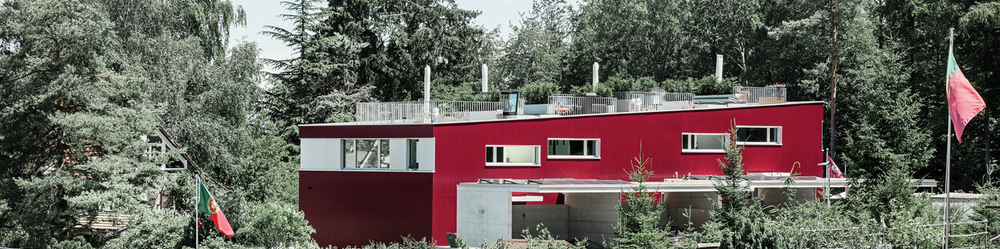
(538, 92)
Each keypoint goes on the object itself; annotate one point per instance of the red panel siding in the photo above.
(367, 131)
(352, 208)
(460, 147)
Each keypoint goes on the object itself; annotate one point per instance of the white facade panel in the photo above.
(397, 154)
(425, 154)
(320, 154)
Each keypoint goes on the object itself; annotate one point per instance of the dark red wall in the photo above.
(352, 207)
(459, 152)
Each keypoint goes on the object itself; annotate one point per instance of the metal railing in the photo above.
(760, 95)
(652, 101)
(879, 236)
(426, 112)
(569, 105)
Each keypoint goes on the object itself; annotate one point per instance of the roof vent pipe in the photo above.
(718, 68)
(486, 76)
(596, 67)
(427, 89)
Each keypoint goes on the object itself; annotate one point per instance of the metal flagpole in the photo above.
(198, 198)
(947, 164)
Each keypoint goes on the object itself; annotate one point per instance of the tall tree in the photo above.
(537, 50)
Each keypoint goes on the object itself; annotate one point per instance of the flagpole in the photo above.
(947, 164)
(198, 198)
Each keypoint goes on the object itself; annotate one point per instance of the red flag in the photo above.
(207, 204)
(834, 168)
(963, 100)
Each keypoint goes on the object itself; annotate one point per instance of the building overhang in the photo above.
(667, 186)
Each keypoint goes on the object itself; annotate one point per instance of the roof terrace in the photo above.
(439, 111)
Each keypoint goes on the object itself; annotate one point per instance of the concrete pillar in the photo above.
(718, 68)
(486, 77)
(596, 67)
(427, 89)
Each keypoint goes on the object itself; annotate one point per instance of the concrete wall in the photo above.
(592, 216)
(676, 204)
(554, 217)
(774, 196)
(483, 213)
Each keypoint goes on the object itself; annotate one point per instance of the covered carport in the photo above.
(485, 211)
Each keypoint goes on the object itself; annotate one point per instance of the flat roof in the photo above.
(698, 107)
(668, 185)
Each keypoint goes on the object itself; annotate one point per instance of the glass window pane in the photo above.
(411, 156)
(576, 147)
(348, 153)
(384, 154)
(518, 154)
(749, 134)
(774, 135)
(552, 146)
(709, 142)
(592, 147)
(367, 153)
(489, 154)
(501, 157)
(686, 139)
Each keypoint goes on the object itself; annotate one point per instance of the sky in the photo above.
(495, 14)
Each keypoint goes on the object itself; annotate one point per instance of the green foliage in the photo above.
(536, 50)
(159, 229)
(638, 219)
(538, 92)
(269, 221)
(544, 240)
(78, 242)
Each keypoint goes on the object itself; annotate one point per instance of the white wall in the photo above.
(325, 154)
(397, 154)
(425, 154)
(320, 154)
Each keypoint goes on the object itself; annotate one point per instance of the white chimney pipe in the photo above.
(427, 89)
(486, 76)
(596, 67)
(718, 68)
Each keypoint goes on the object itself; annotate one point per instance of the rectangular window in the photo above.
(366, 153)
(704, 142)
(573, 148)
(513, 155)
(758, 135)
(411, 156)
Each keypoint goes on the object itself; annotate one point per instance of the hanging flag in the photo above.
(963, 100)
(834, 168)
(207, 204)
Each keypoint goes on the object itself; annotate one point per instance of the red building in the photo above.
(362, 182)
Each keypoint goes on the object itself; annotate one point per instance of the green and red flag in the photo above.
(963, 100)
(208, 205)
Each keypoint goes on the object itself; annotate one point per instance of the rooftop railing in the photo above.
(652, 101)
(569, 105)
(760, 95)
(426, 112)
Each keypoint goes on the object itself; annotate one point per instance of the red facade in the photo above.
(345, 200)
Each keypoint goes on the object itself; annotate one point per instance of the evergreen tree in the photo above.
(638, 220)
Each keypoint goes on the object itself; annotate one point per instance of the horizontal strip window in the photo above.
(573, 148)
(758, 135)
(704, 142)
(365, 153)
(513, 155)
